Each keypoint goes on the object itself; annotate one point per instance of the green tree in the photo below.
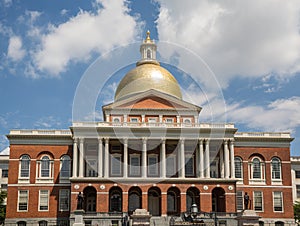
(3, 195)
(297, 212)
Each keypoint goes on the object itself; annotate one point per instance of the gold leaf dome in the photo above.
(148, 75)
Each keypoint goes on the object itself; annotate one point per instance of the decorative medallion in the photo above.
(230, 187)
(76, 186)
(102, 186)
(205, 187)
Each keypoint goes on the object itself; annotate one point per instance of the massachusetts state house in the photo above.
(150, 152)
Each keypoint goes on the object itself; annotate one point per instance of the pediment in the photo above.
(152, 99)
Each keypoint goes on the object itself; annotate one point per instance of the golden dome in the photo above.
(148, 76)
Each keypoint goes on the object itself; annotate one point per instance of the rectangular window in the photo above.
(298, 191)
(239, 200)
(258, 201)
(64, 199)
(135, 165)
(297, 173)
(91, 167)
(4, 173)
(134, 120)
(115, 165)
(153, 165)
(189, 165)
(277, 201)
(44, 200)
(23, 200)
(171, 165)
(169, 120)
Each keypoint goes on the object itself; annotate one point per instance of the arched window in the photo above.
(65, 166)
(43, 223)
(192, 197)
(276, 168)
(45, 166)
(115, 199)
(24, 166)
(149, 54)
(279, 223)
(257, 170)
(173, 201)
(238, 166)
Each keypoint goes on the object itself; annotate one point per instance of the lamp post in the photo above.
(194, 212)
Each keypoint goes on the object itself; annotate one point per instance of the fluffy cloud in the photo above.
(15, 49)
(87, 32)
(279, 115)
(48, 122)
(235, 38)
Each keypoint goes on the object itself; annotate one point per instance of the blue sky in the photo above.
(235, 58)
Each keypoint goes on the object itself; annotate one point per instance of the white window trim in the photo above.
(68, 195)
(274, 180)
(64, 179)
(88, 166)
(282, 206)
(239, 210)
(111, 165)
(172, 156)
(130, 166)
(187, 121)
(118, 118)
(24, 179)
(132, 119)
(40, 201)
(169, 120)
(262, 202)
(241, 161)
(156, 165)
(19, 201)
(261, 180)
(189, 156)
(39, 178)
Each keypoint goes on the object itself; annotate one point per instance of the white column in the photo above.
(207, 159)
(144, 158)
(81, 157)
(75, 158)
(178, 119)
(107, 116)
(106, 158)
(232, 167)
(182, 160)
(226, 158)
(163, 158)
(201, 159)
(125, 163)
(100, 157)
(222, 162)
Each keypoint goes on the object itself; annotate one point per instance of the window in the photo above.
(116, 120)
(65, 166)
(171, 165)
(45, 167)
(63, 223)
(152, 121)
(187, 121)
(23, 200)
(256, 166)
(257, 170)
(239, 200)
(21, 223)
(148, 53)
(24, 166)
(169, 120)
(297, 173)
(64, 199)
(153, 165)
(3, 186)
(135, 165)
(134, 120)
(44, 200)
(279, 223)
(277, 201)
(91, 167)
(4, 167)
(43, 223)
(258, 201)
(115, 165)
(189, 165)
(238, 167)
(298, 191)
(276, 169)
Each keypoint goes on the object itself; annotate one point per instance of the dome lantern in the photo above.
(148, 51)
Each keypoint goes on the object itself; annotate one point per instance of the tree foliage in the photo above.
(297, 212)
(3, 196)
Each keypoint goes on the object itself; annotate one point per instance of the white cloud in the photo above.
(15, 49)
(87, 32)
(48, 122)
(236, 38)
(7, 3)
(63, 12)
(279, 115)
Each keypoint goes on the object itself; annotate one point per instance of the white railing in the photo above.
(263, 134)
(157, 124)
(40, 132)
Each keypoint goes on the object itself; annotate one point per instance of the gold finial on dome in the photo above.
(148, 39)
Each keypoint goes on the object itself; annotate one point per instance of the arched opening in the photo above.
(173, 201)
(21, 223)
(149, 54)
(154, 201)
(134, 199)
(218, 200)
(115, 199)
(43, 223)
(90, 197)
(261, 223)
(279, 223)
(192, 197)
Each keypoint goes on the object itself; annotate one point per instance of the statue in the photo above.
(246, 200)
(80, 201)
